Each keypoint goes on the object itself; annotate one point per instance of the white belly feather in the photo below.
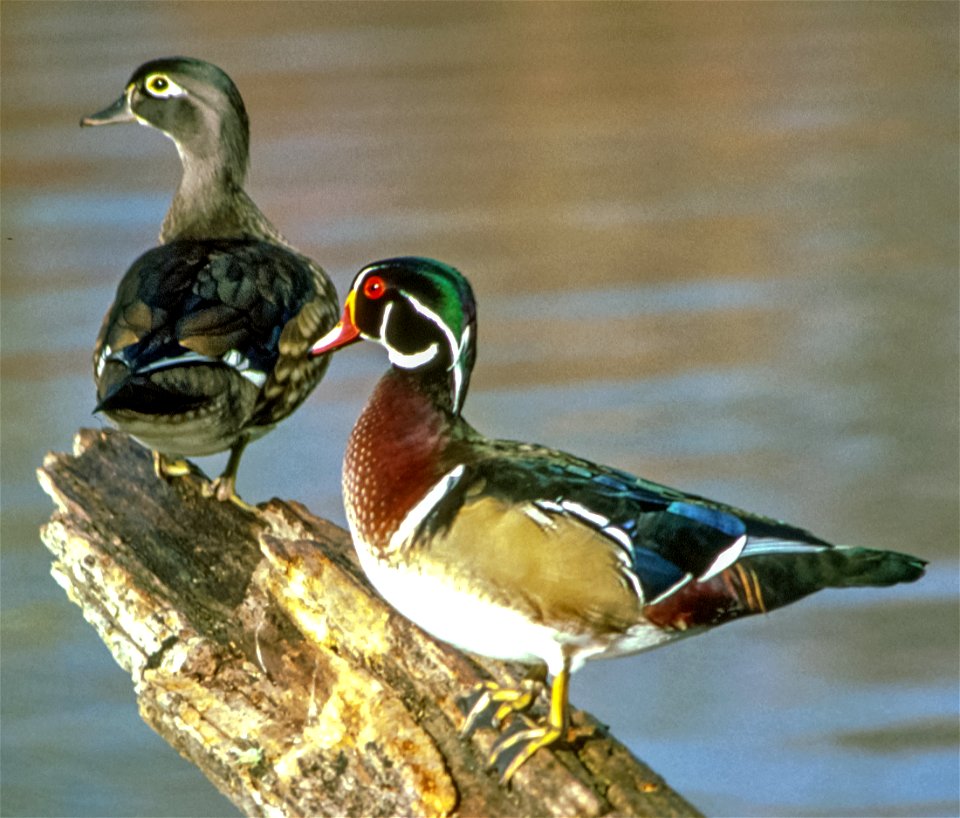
(481, 626)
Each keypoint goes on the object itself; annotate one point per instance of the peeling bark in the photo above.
(260, 652)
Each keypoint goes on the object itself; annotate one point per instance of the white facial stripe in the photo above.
(458, 371)
(414, 360)
(424, 356)
(456, 346)
(383, 321)
(402, 359)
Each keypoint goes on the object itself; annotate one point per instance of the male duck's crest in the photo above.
(421, 311)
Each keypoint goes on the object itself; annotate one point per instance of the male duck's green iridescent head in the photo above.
(420, 310)
(193, 102)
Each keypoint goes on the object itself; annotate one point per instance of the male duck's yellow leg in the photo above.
(506, 699)
(535, 738)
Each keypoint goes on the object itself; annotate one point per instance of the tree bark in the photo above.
(260, 652)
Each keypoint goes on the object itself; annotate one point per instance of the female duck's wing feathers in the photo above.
(221, 302)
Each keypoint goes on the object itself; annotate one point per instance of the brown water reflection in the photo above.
(713, 243)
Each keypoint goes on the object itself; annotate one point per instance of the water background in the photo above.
(716, 245)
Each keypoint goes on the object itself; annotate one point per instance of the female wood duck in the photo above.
(204, 348)
(524, 553)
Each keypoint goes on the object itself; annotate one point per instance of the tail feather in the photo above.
(762, 582)
(871, 567)
(141, 394)
(173, 391)
(785, 578)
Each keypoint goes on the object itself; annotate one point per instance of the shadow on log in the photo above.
(260, 652)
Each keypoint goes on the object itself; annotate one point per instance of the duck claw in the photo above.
(223, 489)
(518, 744)
(489, 704)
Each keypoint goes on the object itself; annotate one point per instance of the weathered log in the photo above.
(260, 652)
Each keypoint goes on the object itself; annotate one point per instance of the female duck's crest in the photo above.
(421, 311)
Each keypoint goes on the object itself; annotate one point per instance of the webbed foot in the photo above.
(490, 704)
(513, 749)
(517, 746)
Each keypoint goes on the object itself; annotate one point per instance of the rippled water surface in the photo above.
(713, 244)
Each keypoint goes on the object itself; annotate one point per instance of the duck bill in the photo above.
(344, 333)
(114, 114)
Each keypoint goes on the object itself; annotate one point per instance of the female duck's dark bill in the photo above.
(113, 114)
(344, 333)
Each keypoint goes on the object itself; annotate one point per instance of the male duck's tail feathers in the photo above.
(773, 574)
(782, 578)
(863, 567)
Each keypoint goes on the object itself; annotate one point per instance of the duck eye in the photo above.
(374, 287)
(160, 85)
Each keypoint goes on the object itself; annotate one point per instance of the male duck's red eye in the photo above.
(374, 287)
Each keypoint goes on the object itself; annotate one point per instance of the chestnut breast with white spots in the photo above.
(394, 456)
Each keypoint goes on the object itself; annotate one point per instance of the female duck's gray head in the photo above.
(194, 103)
(197, 105)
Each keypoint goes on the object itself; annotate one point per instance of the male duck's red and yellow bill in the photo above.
(344, 333)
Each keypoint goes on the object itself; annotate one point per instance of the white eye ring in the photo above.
(162, 87)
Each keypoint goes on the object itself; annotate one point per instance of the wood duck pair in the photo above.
(519, 552)
(204, 348)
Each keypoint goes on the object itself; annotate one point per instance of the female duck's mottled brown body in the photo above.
(204, 347)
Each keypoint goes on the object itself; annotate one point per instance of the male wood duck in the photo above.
(520, 552)
(204, 348)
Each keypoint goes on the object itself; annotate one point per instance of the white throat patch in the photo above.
(412, 360)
